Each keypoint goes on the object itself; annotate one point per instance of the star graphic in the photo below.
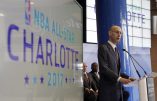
(41, 79)
(26, 79)
(73, 80)
(66, 80)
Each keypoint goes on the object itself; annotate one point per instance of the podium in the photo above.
(142, 84)
(145, 86)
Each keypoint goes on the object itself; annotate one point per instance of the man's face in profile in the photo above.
(84, 67)
(95, 67)
(115, 34)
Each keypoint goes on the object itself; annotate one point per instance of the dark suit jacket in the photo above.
(95, 78)
(88, 83)
(109, 86)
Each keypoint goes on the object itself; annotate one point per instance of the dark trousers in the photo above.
(125, 96)
(90, 96)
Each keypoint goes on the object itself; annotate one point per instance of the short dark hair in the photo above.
(92, 65)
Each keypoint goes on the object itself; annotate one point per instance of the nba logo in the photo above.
(27, 12)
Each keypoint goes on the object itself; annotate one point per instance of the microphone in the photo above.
(132, 58)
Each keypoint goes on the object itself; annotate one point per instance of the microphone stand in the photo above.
(135, 68)
(142, 84)
(132, 58)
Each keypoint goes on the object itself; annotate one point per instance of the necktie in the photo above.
(117, 58)
(116, 52)
(98, 75)
(86, 77)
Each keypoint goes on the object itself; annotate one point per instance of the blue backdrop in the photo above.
(113, 12)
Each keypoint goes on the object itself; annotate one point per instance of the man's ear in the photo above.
(109, 33)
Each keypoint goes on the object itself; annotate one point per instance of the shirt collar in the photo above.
(85, 73)
(112, 44)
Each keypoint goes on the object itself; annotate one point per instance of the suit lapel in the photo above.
(110, 48)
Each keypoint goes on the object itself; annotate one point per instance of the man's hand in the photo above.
(124, 81)
(87, 90)
(132, 79)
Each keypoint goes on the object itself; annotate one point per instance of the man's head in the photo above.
(115, 34)
(84, 67)
(94, 67)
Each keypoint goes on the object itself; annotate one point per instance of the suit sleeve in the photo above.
(124, 75)
(105, 70)
(93, 85)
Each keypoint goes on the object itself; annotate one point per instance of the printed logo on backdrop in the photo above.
(134, 15)
(44, 50)
(27, 12)
(39, 19)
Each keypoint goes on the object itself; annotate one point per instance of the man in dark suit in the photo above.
(94, 74)
(90, 89)
(109, 68)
